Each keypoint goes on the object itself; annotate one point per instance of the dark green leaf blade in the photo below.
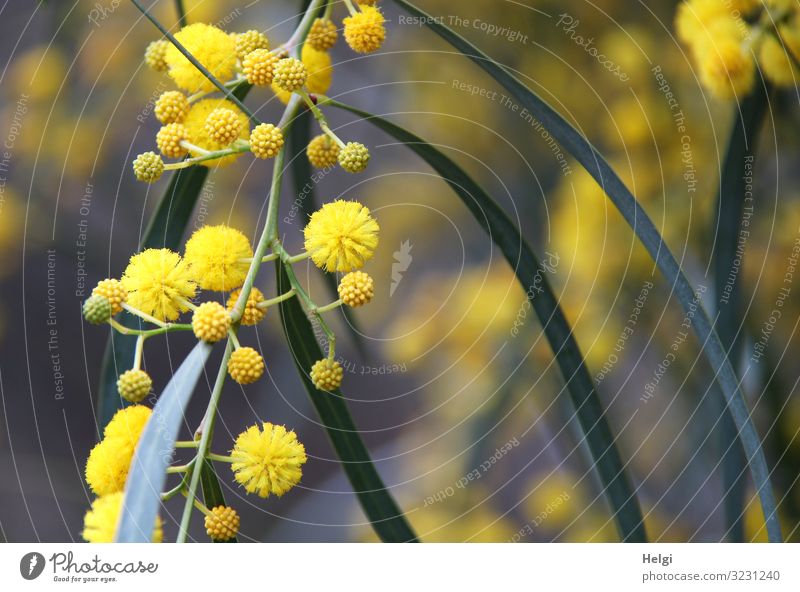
(594, 163)
(589, 409)
(382, 511)
(730, 210)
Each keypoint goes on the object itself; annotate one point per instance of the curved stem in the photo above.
(143, 315)
(205, 440)
(277, 300)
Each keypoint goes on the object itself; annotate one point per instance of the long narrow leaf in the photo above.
(147, 474)
(591, 159)
(165, 230)
(730, 211)
(589, 409)
(382, 511)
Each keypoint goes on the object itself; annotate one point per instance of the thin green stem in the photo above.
(330, 306)
(350, 7)
(231, 85)
(137, 354)
(299, 257)
(320, 117)
(295, 43)
(186, 444)
(205, 440)
(143, 315)
(234, 338)
(169, 328)
(277, 300)
(179, 469)
(220, 458)
(193, 60)
(173, 166)
(168, 495)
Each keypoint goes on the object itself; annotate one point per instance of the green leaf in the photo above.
(147, 474)
(594, 163)
(730, 209)
(520, 256)
(302, 178)
(165, 230)
(212, 492)
(382, 511)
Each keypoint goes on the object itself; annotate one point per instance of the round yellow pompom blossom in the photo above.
(356, 289)
(322, 35)
(215, 256)
(250, 41)
(148, 167)
(155, 53)
(245, 365)
(327, 374)
(108, 463)
(222, 523)
(169, 138)
(692, 18)
(100, 522)
(290, 74)
(341, 236)
(212, 47)
(97, 310)
(223, 126)
(253, 314)
(776, 63)
(197, 133)
(159, 283)
(172, 107)
(113, 291)
(128, 424)
(354, 157)
(726, 69)
(134, 385)
(210, 322)
(258, 67)
(322, 152)
(266, 140)
(365, 31)
(107, 466)
(268, 461)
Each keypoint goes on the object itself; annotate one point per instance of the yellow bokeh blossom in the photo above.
(212, 47)
(100, 522)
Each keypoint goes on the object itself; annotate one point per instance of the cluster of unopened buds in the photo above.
(160, 285)
(731, 39)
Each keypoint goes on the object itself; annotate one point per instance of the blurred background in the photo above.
(458, 371)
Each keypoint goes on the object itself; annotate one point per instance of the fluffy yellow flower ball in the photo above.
(341, 236)
(159, 283)
(268, 460)
(212, 47)
(109, 461)
(365, 31)
(726, 69)
(214, 255)
(198, 134)
(100, 522)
